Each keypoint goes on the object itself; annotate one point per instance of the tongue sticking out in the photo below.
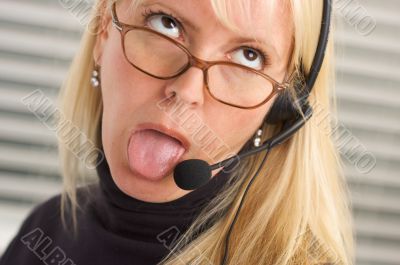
(153, 154)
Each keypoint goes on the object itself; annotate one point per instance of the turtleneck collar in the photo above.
(192, 199)
(140, 220)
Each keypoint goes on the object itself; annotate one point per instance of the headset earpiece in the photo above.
(284, 109)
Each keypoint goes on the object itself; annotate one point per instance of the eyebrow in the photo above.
(188, 23)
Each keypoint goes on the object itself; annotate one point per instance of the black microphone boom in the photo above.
(193, 173)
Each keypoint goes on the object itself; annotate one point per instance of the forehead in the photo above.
(266, 21)
(252, 14)
(246, 14)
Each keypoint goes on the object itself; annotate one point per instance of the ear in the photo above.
(102, 33)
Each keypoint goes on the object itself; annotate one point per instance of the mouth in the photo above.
(154, 150)
(168, 131)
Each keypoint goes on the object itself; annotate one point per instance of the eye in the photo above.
(164, 24)
(250, 57)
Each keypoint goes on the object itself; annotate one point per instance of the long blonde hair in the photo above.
(297, 211)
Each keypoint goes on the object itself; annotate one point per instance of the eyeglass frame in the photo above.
(123, 28)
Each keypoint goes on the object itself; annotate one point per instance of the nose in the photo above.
(188, 87)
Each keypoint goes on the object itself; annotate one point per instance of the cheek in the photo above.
(122, 92)
(116, 71)
(125, 89)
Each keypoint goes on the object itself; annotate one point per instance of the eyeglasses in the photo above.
(160, 56)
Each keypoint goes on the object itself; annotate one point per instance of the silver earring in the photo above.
(257, 138)
(95, 80)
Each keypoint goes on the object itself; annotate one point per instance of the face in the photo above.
(142, 138)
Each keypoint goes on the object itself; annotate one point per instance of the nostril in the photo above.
(187, 88)
(172, 95)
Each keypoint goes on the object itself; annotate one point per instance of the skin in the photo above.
(130, 97)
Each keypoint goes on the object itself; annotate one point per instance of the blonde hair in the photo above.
(297, 210)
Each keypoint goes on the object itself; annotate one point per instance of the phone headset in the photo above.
(193, 173)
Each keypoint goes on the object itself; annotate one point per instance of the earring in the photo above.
(257, 138)
(95, 80)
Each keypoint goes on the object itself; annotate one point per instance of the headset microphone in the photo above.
(193, 173)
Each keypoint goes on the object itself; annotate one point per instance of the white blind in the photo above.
(368, 82)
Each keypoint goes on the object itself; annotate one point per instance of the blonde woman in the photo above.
(158, 83)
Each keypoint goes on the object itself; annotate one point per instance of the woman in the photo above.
(153, 101)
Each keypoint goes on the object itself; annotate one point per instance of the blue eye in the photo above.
(249, 57)
(164, 24)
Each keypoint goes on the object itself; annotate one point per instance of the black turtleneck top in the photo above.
(113, 228)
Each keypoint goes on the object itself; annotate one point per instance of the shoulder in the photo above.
(51, 208)
(18, 251)
(48, 213)
(43, 221)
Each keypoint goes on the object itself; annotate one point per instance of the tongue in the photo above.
(153, 154)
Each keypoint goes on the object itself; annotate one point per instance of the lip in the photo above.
(165, 130)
